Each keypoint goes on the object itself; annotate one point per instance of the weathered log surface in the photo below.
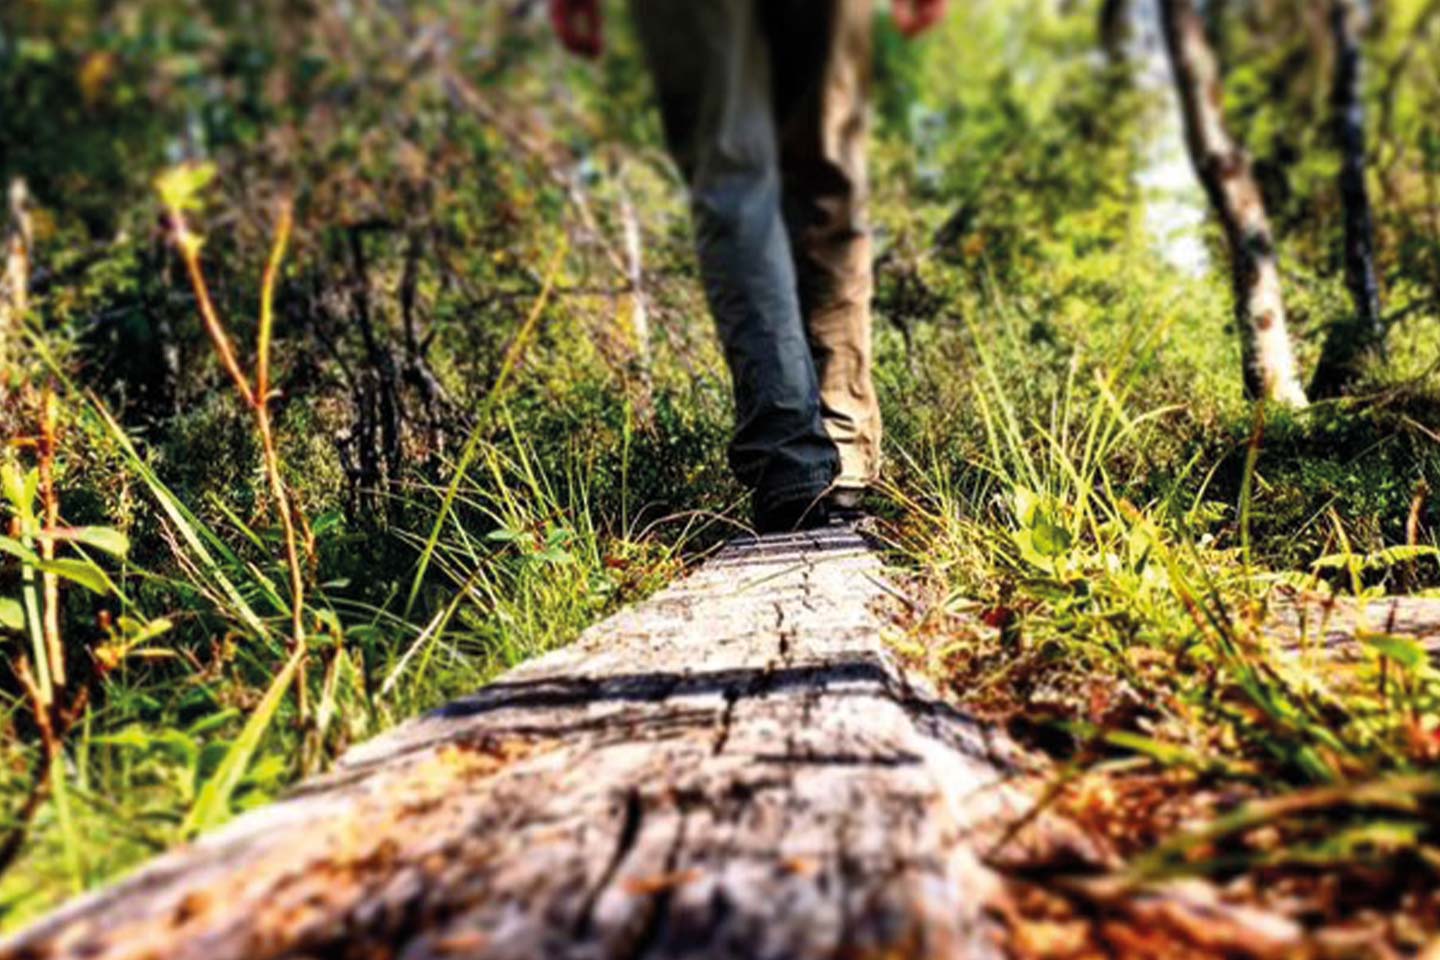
(1331, 630)
(735, 768)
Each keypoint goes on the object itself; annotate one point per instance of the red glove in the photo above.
(577, 24)
(914, 17)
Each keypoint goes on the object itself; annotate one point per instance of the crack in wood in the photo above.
(632, 812)
(656, 912)
(727, 716)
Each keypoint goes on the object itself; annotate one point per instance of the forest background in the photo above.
(353, 351)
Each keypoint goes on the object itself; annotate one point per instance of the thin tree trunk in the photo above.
(1114, 30)
(1348, 342)
(16, 280)
(1224, 170)
(639, 313)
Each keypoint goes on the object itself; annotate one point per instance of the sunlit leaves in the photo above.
(180, 187)
(1042, 538)
(12, 614)
(106, 539)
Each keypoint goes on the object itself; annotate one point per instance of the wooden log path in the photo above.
(734, 768)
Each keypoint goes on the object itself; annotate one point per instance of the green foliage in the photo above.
(490, 461)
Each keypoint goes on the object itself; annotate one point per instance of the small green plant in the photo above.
(1142, 624)
(55, 703)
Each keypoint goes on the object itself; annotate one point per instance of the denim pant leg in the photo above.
(712, 67)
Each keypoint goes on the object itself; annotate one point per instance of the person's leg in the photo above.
(822, 90)
(712, 68)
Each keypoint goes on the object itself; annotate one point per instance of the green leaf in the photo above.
(1402, 553)
(132, 736)
(12, 614)
(1406, 651)
(83, 572)
(1025, 541)
(213, 722)
(1027, 504)
(1167, 754)
(327, 521)
(18, 550)
(107, 539)
(180, 187)
(555, 556)
(137, 632)
(20, 488)
(1049, 539)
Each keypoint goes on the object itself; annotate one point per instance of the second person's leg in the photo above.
(711, 62)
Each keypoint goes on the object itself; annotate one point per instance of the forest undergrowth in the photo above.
(354, 360)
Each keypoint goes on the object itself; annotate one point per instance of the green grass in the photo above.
(183, 736)
(1103, 540)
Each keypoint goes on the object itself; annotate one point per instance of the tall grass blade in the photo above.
(186, 523)
(212, 806)
(1247, 482)
(69, 835)
(472, 445)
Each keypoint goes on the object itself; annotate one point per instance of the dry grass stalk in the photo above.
(50, 503)
(256, 397)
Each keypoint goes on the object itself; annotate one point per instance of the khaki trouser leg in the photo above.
(822, 82)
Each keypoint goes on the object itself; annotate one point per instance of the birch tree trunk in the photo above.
(1223, 168)
(1174, 206)
(1348, 342)
(15, 283)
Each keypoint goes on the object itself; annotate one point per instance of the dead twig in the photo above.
(256, 397)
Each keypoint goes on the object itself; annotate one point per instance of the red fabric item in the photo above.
(916, 16)
(578, 25)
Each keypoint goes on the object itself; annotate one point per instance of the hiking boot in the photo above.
(846, 504)
(789, 516)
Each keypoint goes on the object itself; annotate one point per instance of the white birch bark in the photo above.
(14, 299)
(1223, 168)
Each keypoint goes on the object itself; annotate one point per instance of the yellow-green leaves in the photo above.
(12, 615)
(180, 187)
(105, 539)
(83, 572)
(21, 490)
(1409, 652)
(1041, 537)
